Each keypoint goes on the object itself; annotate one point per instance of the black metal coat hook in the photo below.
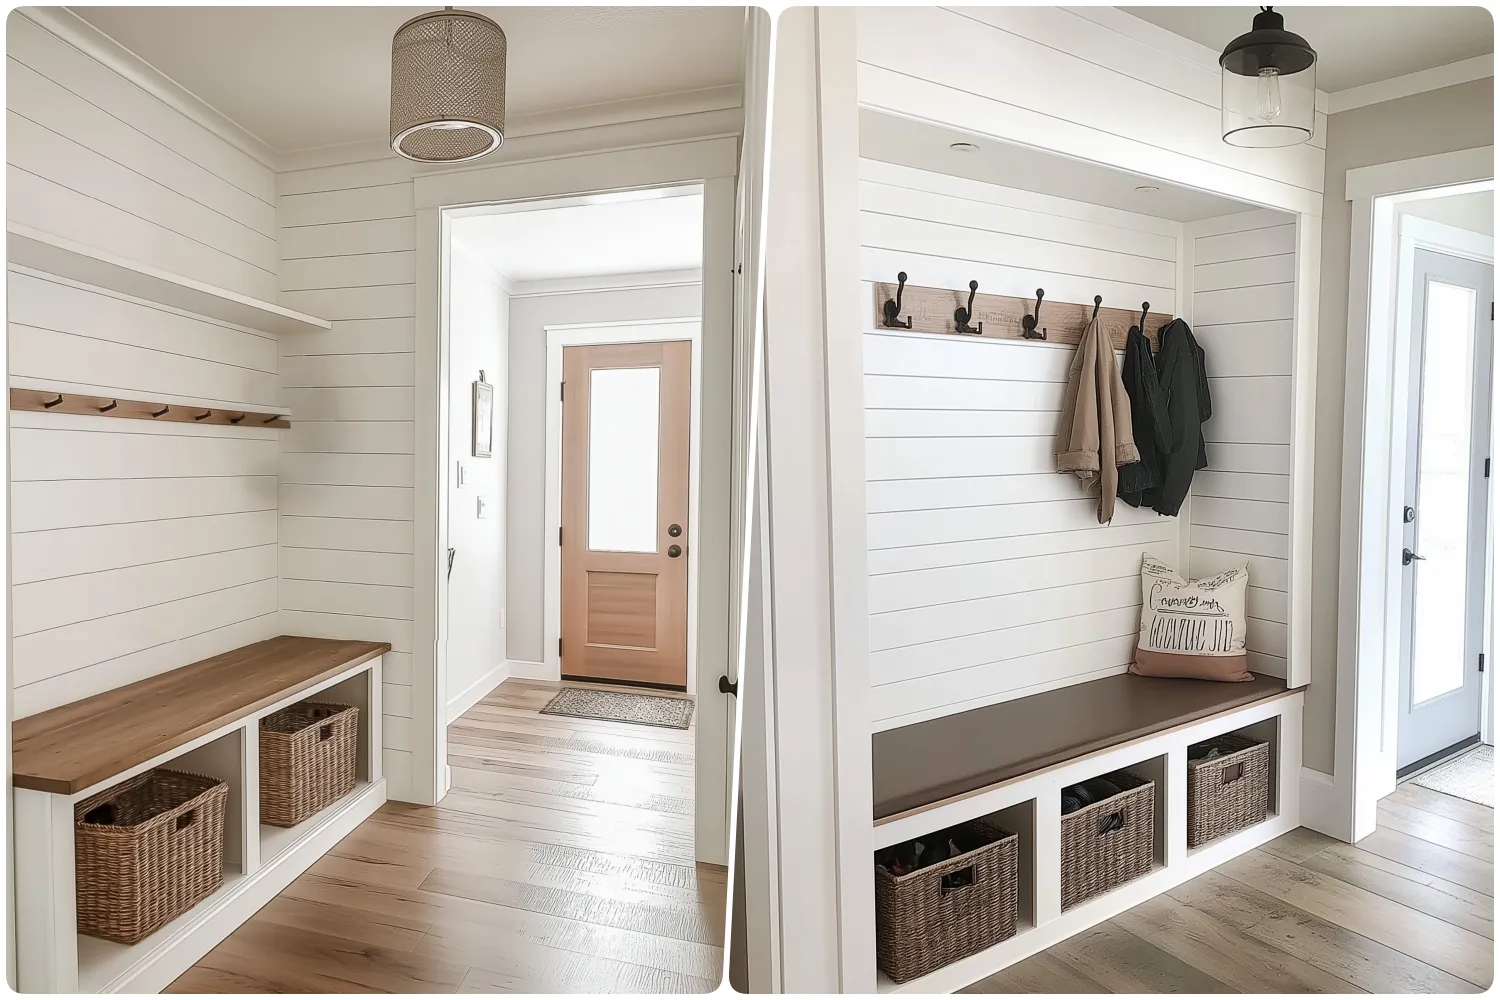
(1141, 326)
(235, 420)
(1030, 321)
(112, 404)
(964, 314)
(892, 307)
(1098, 301)
(50, 403)
(164, 410)
(204, 415)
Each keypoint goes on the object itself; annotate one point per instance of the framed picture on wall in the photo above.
(484, 417)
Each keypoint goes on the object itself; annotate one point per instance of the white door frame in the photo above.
(711, 161)
(562, 335)
(1369, 630)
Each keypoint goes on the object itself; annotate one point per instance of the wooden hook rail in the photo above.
(999, 317)
(44, 401)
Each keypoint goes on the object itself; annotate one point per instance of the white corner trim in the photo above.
(1462, 166)
(607, 282)
(1420, 82)
(530, 670)
(470, 696)
(95, 44)
(1441, 236)
(1320, 807)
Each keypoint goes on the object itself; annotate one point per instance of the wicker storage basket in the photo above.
(307, 756)
(939, 914)
(1229, 792)
(1109, 842)
(146, 851)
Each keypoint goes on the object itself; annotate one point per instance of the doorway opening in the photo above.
(573, 333)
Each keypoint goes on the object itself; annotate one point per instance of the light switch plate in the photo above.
(459, 481)
(482, 507)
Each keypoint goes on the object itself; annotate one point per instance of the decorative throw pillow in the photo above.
(1192, 628)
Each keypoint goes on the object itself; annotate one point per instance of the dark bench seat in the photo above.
(928, 762)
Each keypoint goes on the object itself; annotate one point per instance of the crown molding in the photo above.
(83, 36)
(1397, 87)
(663, 106)
(606, 283)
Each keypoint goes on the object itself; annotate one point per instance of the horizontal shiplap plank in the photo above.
(1255, 543)
(395, 700)
(46, 555)
(340, 239)
(356, 437)
(931, 458)
(321, 625)
(930, 527)
(1270, 459)
(350, 533)
(1269, 242)
(95, 596)
(1250, 410)
(61, 689)
(53, 356)
(911, 557)
(891, 495)
(1252, 515)
(1263, 348)
(352, 271)
(348, 370)
(969, 618)
(1241, 486)
(378, 503)
(343, 566)
(938, 356)
(1267, 605)
(392, 335)
(1255, 304)
(908, 202)
(49, 505)
(366, 599)
(346, 470)
(375, 302)
(924, 589)
(914, 392)
(384, 201)
(50, 304)
(1266, 637)
(1266, 572)
(960, 423)
(1275, 269)
(383, 403)
(108, 453)
(73, 647)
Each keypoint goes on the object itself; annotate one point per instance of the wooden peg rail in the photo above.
(931, 311)
(42, 401)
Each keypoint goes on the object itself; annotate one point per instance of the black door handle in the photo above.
(727, 686)
(674, 530)
(1408, 556)
(673, 551)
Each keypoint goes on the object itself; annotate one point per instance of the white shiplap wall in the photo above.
(990, 576)
(347, 242)
(136, 548)
(1244, 281)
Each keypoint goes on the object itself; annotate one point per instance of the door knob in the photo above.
(1408, 556)
(674, 530)
(674, 551)
(1408, 515)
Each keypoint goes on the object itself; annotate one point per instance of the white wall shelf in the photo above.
(65, 258)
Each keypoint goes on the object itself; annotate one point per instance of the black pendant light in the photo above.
(1270, 84)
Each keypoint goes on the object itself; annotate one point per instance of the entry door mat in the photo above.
(1469, 776)
(622, 706)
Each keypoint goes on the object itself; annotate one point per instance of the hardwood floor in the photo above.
(1409, 909)
(560, 862)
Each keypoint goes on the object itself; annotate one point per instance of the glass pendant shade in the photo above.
(447, 87)
(1270, 85)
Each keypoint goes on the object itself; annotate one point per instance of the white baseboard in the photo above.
(531, 670)
(471, 695)
(1320, 808)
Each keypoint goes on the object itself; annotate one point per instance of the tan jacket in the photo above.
(1095, 422)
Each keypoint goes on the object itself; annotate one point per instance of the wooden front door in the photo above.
(625, 531)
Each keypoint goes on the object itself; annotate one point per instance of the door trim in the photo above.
(687, 328)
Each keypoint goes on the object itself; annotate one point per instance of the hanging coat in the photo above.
(1094, 436)
(1182, 375)
(1148, 419)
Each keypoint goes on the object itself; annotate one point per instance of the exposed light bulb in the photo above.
(1268, 94)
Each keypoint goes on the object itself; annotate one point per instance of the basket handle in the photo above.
(325, 733)
(1231, 773)
(1111, 822)
(187, 819)
(963, 878)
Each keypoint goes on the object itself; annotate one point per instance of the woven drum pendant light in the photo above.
(447, 87)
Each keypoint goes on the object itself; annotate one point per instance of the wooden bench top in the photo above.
(75, 746)
(927, 762)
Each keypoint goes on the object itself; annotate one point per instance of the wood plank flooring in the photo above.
(1409, 909)
(560, 862)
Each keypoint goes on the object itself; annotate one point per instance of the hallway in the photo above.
(563, 845)
(1410, 909)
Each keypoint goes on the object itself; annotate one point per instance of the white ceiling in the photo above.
(1355, 45)
(630, 234)
(299, 77)
(917, 144)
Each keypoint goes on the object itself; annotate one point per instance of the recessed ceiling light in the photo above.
(1148, 188)
(964, 147)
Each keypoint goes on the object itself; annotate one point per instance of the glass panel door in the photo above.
(624, 459)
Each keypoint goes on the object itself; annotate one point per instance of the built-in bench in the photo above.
(1011, 761)
(203, 718)
(925, 763)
